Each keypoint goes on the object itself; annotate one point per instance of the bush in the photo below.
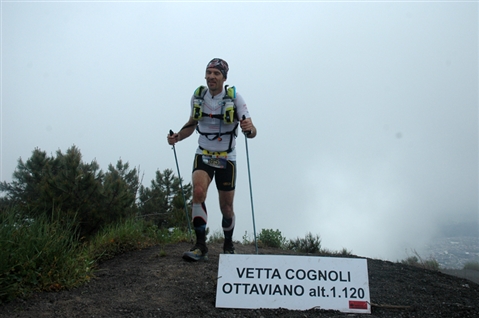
(345, 252)
(271, 238)
(411, 260)
(246, 239)
(472, 265)
(174, 235)
(132, 234)
(216, 237)
(431, 264)
(123, 236)
(341, 253)
(309, 244)
(40, 254)
(417, 261)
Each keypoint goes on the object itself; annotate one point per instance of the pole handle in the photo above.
(246, 133)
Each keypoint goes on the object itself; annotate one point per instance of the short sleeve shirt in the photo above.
(215, 105)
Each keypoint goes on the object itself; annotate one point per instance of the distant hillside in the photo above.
(453, 252)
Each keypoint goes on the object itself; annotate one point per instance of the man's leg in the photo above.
(226, 183)
(228, 222)
(201, 181)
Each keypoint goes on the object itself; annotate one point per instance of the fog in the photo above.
(367, 112)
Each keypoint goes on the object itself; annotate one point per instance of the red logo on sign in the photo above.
(358, 304)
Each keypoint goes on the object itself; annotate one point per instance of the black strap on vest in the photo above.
(227, 151)
(201, 95)
(218, 135)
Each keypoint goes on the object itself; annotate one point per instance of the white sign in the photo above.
(293, 282)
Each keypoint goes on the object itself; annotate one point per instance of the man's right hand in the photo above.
(172, 138)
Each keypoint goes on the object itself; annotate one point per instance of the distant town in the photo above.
(452, 252)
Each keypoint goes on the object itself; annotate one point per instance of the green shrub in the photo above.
(216, 237)
(308, 244)
(411, 260)
(431, 264)
(246, 239)
(123, 236)
(132, 234)
(174, 235)
(43, 254)
(418, 261)
(40, 254)
(342, 252)
(271, 238)
(472, 265)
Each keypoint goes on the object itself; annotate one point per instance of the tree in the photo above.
(78, 191)
(163, 202)
(28, 181)
(120, 187)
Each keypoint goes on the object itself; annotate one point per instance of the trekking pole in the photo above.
(246, 133)
(181, 186)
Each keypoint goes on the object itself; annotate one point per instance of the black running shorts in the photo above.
(225, 178)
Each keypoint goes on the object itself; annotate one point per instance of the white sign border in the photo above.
(251, 281)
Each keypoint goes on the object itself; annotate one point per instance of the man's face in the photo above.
(214, 79)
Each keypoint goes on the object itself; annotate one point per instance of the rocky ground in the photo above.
(156, 282)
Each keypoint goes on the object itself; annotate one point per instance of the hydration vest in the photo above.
(227, 116)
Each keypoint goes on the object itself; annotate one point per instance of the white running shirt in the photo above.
(213, 106)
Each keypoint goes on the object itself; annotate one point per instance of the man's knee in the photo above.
(199, 193)
(201, 181)
(227, 210)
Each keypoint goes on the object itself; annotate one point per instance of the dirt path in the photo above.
(146, 284)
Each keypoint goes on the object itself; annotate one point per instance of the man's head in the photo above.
(215, 75)
(219, 64)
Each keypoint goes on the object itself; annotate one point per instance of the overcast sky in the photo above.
(367, 112)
